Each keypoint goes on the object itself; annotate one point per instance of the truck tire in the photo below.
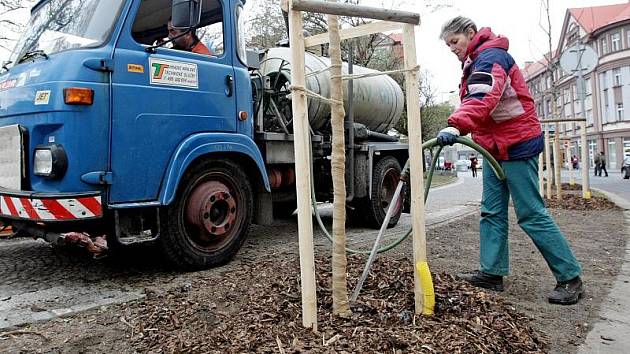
(209, 220)
(385, 178)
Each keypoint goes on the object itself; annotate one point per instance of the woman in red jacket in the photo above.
(498, 110)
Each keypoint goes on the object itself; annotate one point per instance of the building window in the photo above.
(615, 38)
(592, 144)
(627, 37)
(626, 146)
(548, 108)
(549, 81)
(588, 102)
(603, 81)
(612, 154)
(619, 111)
(605, 106)
(604, 45)
(617, 77)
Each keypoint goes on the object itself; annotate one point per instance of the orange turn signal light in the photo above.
(78, 96)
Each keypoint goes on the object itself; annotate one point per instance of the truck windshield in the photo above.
(58, 25)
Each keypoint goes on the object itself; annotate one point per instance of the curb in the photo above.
(610, 333)
(619, 201)
(459, 181)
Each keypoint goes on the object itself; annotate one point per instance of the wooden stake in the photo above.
(415, 156)
(341, 305)
(586, 189)
(557, 162)
(548, 161)
(541, 178)
(301, 139)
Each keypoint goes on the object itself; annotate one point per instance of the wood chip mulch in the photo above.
(257, 308)
(576, 202)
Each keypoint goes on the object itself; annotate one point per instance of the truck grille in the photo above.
(11, 157)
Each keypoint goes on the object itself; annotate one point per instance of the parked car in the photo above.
(479, 162)
(625, 167)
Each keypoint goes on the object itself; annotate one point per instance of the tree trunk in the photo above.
(341, 305)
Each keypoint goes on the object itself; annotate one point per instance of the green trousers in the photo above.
(522, 184)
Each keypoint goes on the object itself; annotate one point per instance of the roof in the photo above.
(533, 68)
(596, 17)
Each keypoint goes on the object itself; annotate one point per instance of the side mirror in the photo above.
(186, 14)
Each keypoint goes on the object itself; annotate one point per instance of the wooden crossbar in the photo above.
(351, 10)
(354, 32)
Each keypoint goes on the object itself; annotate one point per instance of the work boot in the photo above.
(483, 280)
(567, 292)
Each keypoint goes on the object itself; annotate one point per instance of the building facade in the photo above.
(557, 94)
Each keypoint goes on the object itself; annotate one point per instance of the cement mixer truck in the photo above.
(106, 128)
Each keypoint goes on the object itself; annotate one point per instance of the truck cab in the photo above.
(100, 127)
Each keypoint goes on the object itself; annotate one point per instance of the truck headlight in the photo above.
(50, 161)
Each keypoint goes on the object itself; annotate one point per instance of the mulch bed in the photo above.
(571, 201)
(569, 187)
(257, 308)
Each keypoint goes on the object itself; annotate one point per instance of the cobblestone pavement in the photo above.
(39, 282)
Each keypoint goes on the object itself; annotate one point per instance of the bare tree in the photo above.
(9, 26)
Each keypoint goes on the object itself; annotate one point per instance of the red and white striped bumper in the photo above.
(49, 207)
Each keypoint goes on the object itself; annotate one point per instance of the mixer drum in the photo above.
(378, 101)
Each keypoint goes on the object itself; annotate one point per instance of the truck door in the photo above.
(161, 96)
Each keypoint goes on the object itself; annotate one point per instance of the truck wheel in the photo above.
(209, 220)
(385, 178)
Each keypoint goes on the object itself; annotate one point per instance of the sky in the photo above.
(520, 21)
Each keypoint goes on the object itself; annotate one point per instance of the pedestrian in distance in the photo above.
(473, 165)
(575, 162)
(498, 109)
(597, 162)
(602, 164)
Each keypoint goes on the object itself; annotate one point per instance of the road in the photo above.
(614, 183)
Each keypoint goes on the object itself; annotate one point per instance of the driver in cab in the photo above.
(188, 42)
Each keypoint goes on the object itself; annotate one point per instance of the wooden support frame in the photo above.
(415, 157)
(586, 189)
(548, 160)
(302, 137)
(302, 172)
(354, 32)
(556, 161)
(350, 10)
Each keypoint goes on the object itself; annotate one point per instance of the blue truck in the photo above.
(107, 129)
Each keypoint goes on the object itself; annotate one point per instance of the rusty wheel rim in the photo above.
(213, 213)
(388, 189)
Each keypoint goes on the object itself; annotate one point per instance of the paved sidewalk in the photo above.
(611, 334)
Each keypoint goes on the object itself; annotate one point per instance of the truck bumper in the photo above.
(49, 207)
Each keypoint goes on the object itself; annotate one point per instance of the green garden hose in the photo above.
(427, 145)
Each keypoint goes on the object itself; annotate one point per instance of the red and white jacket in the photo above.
(496, 107)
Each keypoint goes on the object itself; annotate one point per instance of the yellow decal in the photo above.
(135, 68)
